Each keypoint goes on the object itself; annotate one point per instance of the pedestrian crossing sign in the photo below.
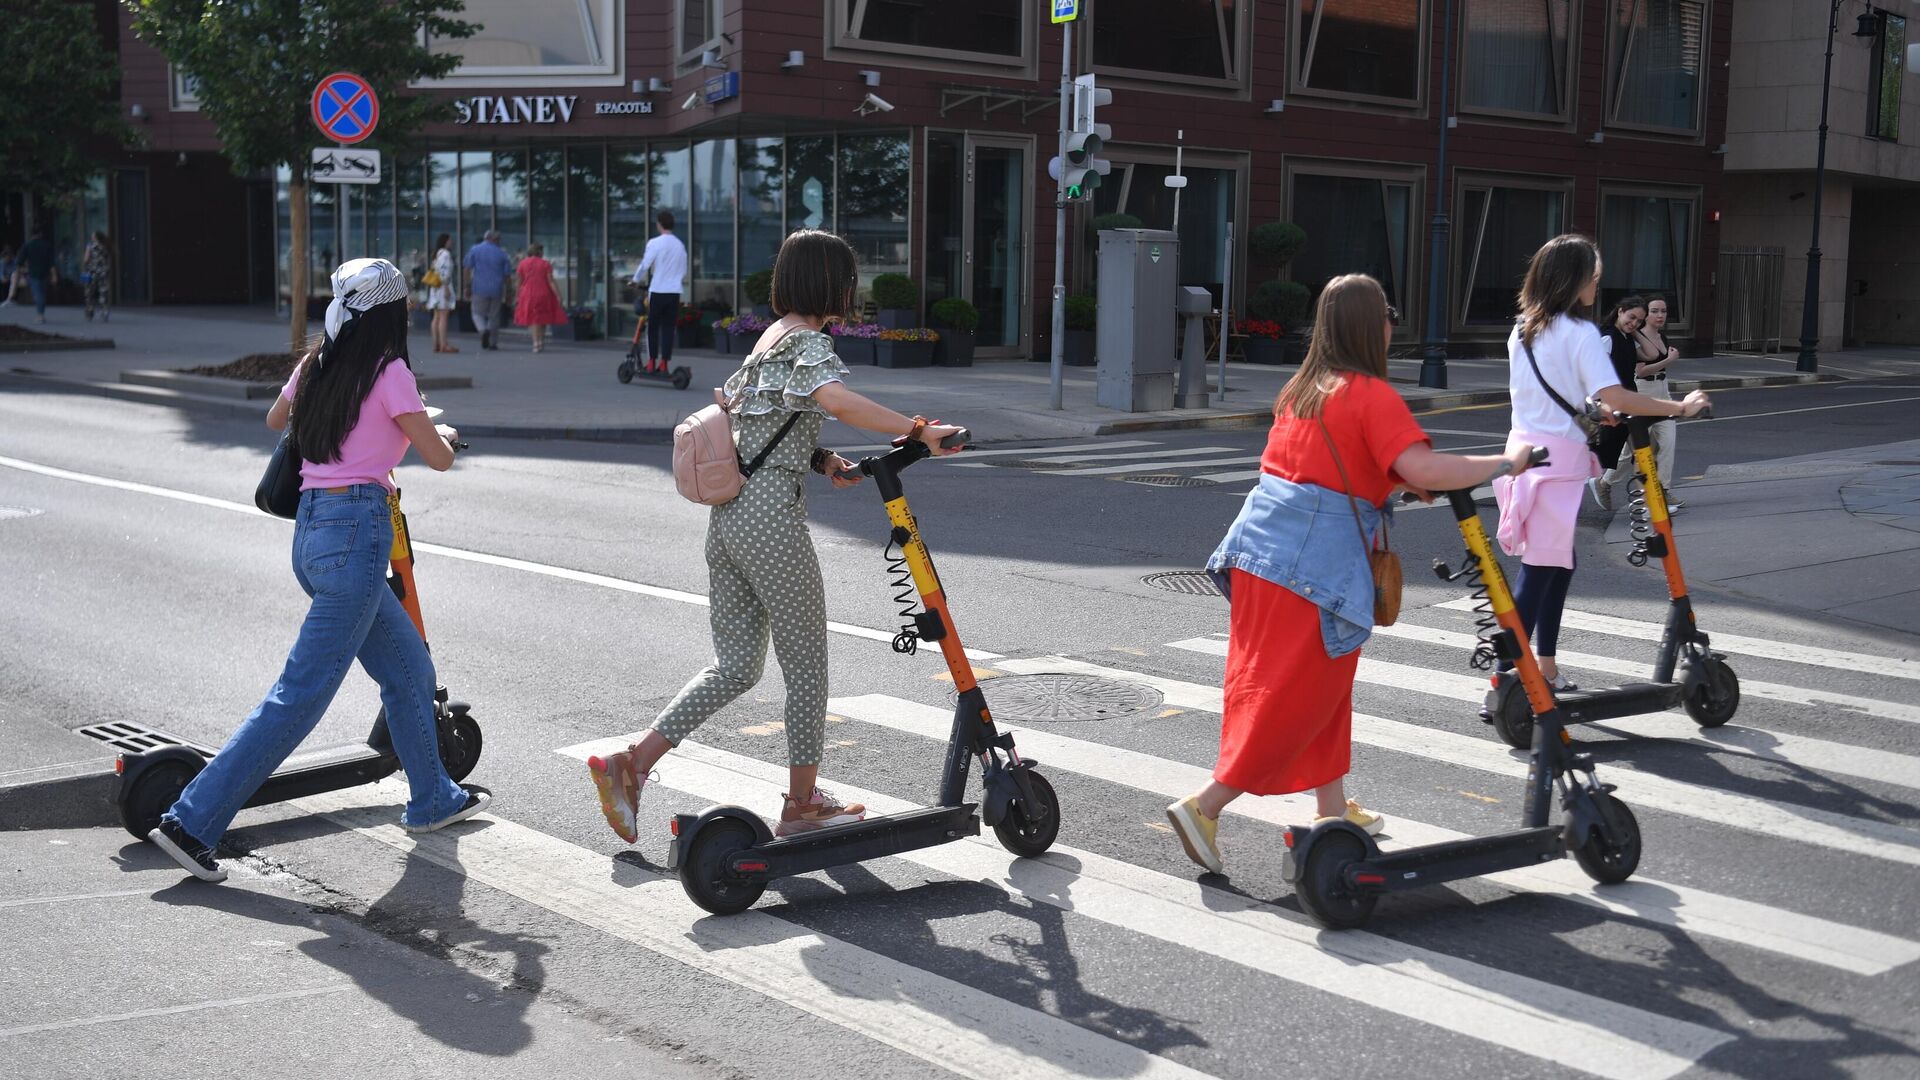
(1065, 10)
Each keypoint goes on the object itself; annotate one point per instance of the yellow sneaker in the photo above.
(1198, 833)
(1369, 822)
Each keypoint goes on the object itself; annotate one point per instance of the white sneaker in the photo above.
(1602, 493)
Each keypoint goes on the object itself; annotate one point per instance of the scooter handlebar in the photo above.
(1536, 458)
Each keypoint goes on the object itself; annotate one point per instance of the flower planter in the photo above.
(1264, 350)
(902, 354)
(690, 336)
(578, 328)
(853, 350)
(896, 318)
(1296, 348)
(728, 343)
(954, 349)
(763, 311)
(1078, 350)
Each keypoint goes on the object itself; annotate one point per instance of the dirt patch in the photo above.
(20, 334)
(256, 367)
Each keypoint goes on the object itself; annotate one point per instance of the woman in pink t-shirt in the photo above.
(353, 409)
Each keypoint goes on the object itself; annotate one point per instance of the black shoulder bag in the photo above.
(1589, 427)
(279, 490)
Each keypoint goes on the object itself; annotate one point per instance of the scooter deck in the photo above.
(327, 769)
(857, 841)
(1611, 703)
(1453, 860)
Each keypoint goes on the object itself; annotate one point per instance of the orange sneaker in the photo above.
(619, 787)
(822, 810)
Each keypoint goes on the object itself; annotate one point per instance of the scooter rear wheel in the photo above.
(152, 794)
(682, 378)
(1513, 720)
(1026, 837)
(1323, 888)
(1610, 863)
(460, 743)
(703, 874)
(1716, 697)
(625, 371)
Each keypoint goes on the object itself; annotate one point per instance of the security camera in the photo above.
(873, 103)
(693, 99)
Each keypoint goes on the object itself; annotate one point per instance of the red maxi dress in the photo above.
(1287, 723)
(539, 304)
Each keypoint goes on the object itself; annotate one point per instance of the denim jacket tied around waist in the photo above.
(1302, 538)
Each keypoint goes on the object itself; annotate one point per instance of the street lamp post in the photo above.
(1433, 363)
(1810, 309)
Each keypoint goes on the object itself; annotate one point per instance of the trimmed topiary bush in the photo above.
(758, 286)
(895, 292)
(1104, 222)
(1285, 302)
(957, 313)
(1083, 312)
(1275, 243)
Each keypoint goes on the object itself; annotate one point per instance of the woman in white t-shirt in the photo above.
(1559, 361)
(440, 296)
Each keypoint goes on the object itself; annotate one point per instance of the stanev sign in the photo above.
(533, 109)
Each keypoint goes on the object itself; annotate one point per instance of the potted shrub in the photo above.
(956, 319)
(898, 301)
(1083, 315)
(583, 323)
(687, 329)
(737, 333)
(909, 347)
(758, 287)
(1270, 247)
(853, 341)
(1260, 342)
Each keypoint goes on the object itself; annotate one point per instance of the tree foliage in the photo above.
(57, 83)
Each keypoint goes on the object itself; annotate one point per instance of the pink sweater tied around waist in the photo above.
(1539, 508)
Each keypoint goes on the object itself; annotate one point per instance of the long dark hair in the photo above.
(337, 376)
(1348, 336)
(1623, 305)
(1562, 269)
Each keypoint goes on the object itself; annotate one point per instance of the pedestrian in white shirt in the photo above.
(666, 260)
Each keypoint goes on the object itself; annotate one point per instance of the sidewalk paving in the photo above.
(569, 391)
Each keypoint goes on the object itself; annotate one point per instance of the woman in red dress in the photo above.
(1295, 570)
(539, 305)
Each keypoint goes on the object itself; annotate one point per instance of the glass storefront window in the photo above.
(946, 216)
(380, 237)
(1359, 48)
(410, 217)
(994, 28)
(1655, 63)
(1883, 82)
(510, 199)
(873, 199)
(547, 201)
(712, 239)
(535, 37)
(582, 276)
(629, 227)
(476, 199)
(761, 205)
(1517, 58)
(1646, 246)
(282, 237)
(352, 199)
(1354, 225)
(1190, 38)
(443, 202)
(810, 182)
(323, 240)
(1206, 204)
(1500, 229)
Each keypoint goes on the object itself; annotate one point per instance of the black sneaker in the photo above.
(477, 800)
(193, 856)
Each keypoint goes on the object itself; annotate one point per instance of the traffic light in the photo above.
(1084, 167)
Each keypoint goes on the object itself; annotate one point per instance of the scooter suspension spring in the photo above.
(1639, 522)
(907, 641)
(1485, 623)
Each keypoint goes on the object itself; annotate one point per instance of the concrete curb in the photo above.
(63, 345)
(79, 801)
(214, 386)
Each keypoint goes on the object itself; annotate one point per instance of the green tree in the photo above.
(57, 83)
(255, 65)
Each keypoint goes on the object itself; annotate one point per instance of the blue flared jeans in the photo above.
(341, 546)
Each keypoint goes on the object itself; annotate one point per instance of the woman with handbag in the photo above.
(351, 410)
(765, 574)
(1306, 571)
(439, 282)
(1559, 358)
(1616, 459)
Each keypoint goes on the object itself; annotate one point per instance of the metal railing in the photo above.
(1749, 310)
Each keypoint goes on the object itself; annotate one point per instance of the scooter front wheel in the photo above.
(625, 371)
(460, 743)
(151, 794)
(1513, 719)
(704, 873)
(682, 378)
(1323, 888)
(1611, 861)
(1716, 697)
(1025, 833)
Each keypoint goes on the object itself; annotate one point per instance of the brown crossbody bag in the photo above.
(1381, 560)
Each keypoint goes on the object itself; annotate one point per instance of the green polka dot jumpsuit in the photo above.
(760, 559)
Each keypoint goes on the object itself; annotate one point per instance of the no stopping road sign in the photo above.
(345, 107)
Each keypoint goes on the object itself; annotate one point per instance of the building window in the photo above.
(1646, 246)
(535, 37)
(1656, 61)
(810, 182)
(183, 91)
(712, 235)
(1517, 57)
(761, 204)
(1357, 221)
(1502, 223)
(873, 198)
(992, 30)
(1883, 89)
(1207, 203)
(1191, 39)
(1367, 49)
(699, 25)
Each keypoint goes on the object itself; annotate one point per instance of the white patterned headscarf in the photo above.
(361, 285)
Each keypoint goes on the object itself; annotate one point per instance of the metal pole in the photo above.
(1433, 363)
(1810, 310)
(1179, 145)
(1226, 294)
(1060, 224)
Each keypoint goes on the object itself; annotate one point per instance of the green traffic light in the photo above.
(1074, 192)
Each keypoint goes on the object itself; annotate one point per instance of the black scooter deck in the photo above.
(1453, 860)
(1612, 703)
(872, 838)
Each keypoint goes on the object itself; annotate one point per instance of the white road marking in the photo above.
(1891, 710)
(172, 1010)
(1800, 824)
(956, 1027)
(1693, 910)
(72, 898)
(1546, 1021)
(1192, 451)
(1152, 466)
(965, 456)
(1899, 667)
(581, 577)
(1799, 751)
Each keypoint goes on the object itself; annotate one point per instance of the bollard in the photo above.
(1192, 303)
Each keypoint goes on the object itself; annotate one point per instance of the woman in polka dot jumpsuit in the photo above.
(760, 558)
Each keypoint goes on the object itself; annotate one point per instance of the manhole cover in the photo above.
(17, 512)
(1186, 582)
(1170, 480)
(1035, 465)
(1059, 698)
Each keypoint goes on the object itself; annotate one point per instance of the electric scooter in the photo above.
(147, 782)
(633, 367)
(1340, 873)
(726, 855)
(1685, 670)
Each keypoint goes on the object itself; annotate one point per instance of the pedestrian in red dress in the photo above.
(539, 305)
(1295, 571)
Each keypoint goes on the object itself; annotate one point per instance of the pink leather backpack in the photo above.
(706, 463)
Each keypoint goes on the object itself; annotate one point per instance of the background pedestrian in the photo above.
(487, 267)
(663, 269)
(96, 275)
(440, 291)
(1650, 378)
(539, 304)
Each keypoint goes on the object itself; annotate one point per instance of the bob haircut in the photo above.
(814, 275)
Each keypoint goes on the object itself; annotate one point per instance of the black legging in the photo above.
(663, 311)
(1540, 599)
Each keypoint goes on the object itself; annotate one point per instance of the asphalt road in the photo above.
(1768, 932)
